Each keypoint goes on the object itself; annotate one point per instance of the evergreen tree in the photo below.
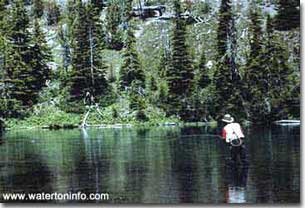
(288, 16)
(278, 74)
(3, 56)
(199, 97)
(2, 14)
(126, 7)
(41, 54)
(88, 73)
(65, 42)
(224, 21)
(65, 37)
(202, 73)
(38, 8)
(131, 72)
(98, 66)
(164, 62)
(113, 21)
(98, 4)
(2, 39)
(226, 77)
(256, 74)
(53, 13)
(162, 69)
(253, 69)
(79, 81)
(18, 73)
(180, 73)
(132, 76)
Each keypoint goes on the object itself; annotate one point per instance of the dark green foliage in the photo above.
(279, 79)
(18, 73)
(180, 73)
(132, 76)
(131, 71)
(25, 60)
(162, 70)
(98, 4)
(164, 62)
(113, 21)
(202, 73)
(53, 13)
(127, 10)
(41, 54)
(153, 83)
(88, 73)
(38, 8)
(137, 102)
(2, 14)
(227, 98)
(256, 32)
(200, 106)
(224, 21)
(65, 42)
(222, 75)
(268, 76)
(117, 20)
(254, 76)
(288, 16)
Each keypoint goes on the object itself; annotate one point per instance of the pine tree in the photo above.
(2, 14)
(38, 8)
(202, 73)
(131, 72)
(288, 16)
(224, 21)
(53, 13)
(2, 39)
(3, 56)
(201, 84)
(278, 81)
(180, 73)
(132, 76)
(162, 69)
(127, 10)
(226, 77)
(18, 70)
(65, 37)
(113, 21)
(163, 65)
(88, 73)
(41, 54)
(98, 4)
(256, 74)
(98, 66)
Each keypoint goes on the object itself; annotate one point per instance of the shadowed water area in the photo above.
(156, 165)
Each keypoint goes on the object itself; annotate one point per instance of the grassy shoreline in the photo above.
(16, 125)
(54, 118)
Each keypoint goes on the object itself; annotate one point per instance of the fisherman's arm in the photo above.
(224, 134)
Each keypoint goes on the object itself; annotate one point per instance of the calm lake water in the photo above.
(157, 165)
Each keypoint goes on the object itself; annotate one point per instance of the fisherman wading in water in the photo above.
(234, 137)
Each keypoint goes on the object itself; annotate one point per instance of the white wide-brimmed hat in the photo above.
(228, 118)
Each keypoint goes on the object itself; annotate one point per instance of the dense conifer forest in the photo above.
(150, 61)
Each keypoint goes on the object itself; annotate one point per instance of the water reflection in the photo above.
(237, 184)
(161, 165)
